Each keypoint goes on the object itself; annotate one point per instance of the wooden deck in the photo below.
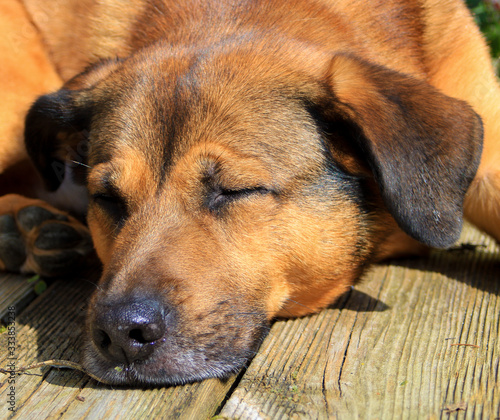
(419, 338)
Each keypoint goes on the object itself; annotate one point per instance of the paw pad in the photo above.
(37, 240)
(57, 236)
(12, 250)
(32, 216)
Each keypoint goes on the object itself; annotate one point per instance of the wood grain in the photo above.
(14, 289)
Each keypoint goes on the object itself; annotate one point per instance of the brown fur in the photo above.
(247, 160)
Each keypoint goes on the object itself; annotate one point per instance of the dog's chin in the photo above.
(172, 364)
(160, 372)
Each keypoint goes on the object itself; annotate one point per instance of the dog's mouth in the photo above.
(137, 342)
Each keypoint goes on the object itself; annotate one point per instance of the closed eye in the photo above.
(114, 206)
(220, 197)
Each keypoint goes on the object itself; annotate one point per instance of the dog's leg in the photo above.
(37, 238)
(460, 65)
(25, 73)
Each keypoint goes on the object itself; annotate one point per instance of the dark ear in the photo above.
(422, 146)
(57, 124)
(55, 128)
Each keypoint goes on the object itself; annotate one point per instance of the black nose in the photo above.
(129, 330)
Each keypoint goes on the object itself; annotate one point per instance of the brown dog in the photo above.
(243, 160)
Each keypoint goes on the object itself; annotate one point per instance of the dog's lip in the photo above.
(169, 364)
(147, 373)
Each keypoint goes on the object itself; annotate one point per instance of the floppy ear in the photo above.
(52, 132)
(57, 124)
(422, 146)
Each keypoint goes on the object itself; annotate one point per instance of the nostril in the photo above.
(102, 339)
(137, 335)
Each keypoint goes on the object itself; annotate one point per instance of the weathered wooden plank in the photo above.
(14, 290)
(50, 328)
(417, 339)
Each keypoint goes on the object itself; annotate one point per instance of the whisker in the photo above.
(96, 285)
(80, 163)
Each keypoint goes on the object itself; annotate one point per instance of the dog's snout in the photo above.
(130, 330)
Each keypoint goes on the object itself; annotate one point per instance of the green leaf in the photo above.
(40, 287)
(33, 279)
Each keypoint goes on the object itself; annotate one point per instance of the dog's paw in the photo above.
(37, 238)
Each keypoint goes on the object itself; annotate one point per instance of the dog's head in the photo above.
(225, 190)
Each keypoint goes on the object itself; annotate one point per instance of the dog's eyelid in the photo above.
(112, 203)
(105, 197)
(244, 190)
(239, 191)
(219, 197)
(110, 198)
(106, 189)
(113, 206)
